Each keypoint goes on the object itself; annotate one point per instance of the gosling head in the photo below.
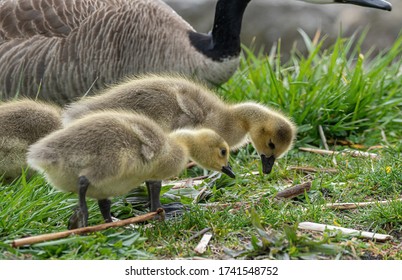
(272, 137)
(208, 149)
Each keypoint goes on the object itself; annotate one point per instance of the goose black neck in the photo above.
(224, 41)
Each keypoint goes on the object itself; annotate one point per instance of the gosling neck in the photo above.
(185, 139)
(248, 113)
(224, 40)
(174, 160)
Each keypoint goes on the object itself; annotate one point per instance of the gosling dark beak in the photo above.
(228, 171)
(267, 163)
(376, 4)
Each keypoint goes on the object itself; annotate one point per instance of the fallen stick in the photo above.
(191, 165)
(324, 142)
(222, 205)
(188, 183)
(354, 205)
(349, 231)
(294, 191)
(323, 138)
(199, 195)
(202, 245)
(286, 193)
(63, 234)
(205, 230)
(308, 169)
(343, 153)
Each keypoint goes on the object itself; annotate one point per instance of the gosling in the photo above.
(176, 102)
(23, 122)
(109, 153)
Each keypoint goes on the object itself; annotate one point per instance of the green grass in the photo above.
(337, 88)
(353, 96)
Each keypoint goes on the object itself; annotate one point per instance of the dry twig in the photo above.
(205, 230)
(191, 165)
(187, 183)
(323, 138)
(308, 169)
(354, 205)
(63, 234)
(324, 142)
(343, 153)
(294, 191)
(202, 245)
(222, 205)
(358, 233)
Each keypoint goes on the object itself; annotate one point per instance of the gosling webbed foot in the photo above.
(171, 210)
(104, 207)
(80, 217)
(173, 207)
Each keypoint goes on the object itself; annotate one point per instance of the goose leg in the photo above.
(80, 217)
(154, 191)
(104, 207)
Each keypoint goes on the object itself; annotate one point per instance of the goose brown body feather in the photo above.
(59, 50)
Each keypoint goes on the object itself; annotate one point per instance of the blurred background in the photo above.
(266, 21)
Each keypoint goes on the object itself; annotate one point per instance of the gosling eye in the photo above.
(271, 145)
(223, 152)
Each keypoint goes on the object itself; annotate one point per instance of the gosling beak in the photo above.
(228, 171)
(267, 163)
(376, 4)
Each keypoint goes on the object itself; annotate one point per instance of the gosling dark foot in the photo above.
(78, 220)
(173, 210)
(170, 211)
(104, 207)
(80, 217)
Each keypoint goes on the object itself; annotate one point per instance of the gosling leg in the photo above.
(104, 207)
(154, 190)
(80, 217)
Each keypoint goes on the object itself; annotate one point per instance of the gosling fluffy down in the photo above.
(176, 102)
(115, 151)
(22, 123)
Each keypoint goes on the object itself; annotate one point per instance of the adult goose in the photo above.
(58, 50)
